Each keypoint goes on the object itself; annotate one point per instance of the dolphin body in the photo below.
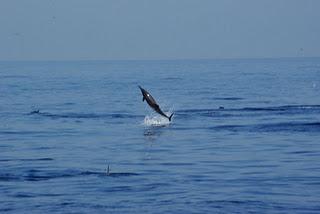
(152, 103)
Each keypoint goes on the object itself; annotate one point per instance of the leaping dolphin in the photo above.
(152, 103)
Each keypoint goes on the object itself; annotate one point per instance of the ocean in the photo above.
(75, 136)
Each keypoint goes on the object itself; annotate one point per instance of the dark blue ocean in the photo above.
(244, 138)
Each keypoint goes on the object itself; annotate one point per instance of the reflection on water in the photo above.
(151, 133)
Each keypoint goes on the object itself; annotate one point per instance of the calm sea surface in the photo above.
(245, 137)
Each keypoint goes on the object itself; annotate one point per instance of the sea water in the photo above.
(244, 138)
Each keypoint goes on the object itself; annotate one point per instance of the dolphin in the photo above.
(152, 103)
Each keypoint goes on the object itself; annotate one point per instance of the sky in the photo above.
(158, 29)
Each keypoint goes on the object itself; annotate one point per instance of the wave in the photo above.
(32, 133)
(27, 159)
(271, 127)
(14, 76)
(44, 175)
(252, 111)
(227, 98)
(270, 108)
(84, 115)
(205, 112)
(285, 108)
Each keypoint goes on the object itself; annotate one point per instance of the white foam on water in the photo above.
(156, 120)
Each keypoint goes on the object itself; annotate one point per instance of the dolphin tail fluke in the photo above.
(170, 117)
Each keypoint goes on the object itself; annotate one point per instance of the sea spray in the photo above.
(156, 120)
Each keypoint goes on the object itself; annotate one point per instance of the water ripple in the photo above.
(84, 115)
(271, 127)
(44, 175)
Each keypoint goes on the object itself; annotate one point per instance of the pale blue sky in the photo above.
(158, 29)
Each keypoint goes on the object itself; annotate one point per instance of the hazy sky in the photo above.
(158, 29)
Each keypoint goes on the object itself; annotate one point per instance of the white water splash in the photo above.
(156, 120)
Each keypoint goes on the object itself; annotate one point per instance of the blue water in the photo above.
(244, 137)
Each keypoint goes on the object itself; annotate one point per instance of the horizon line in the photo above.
(160, 59)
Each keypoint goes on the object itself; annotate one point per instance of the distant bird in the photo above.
(152, 103)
